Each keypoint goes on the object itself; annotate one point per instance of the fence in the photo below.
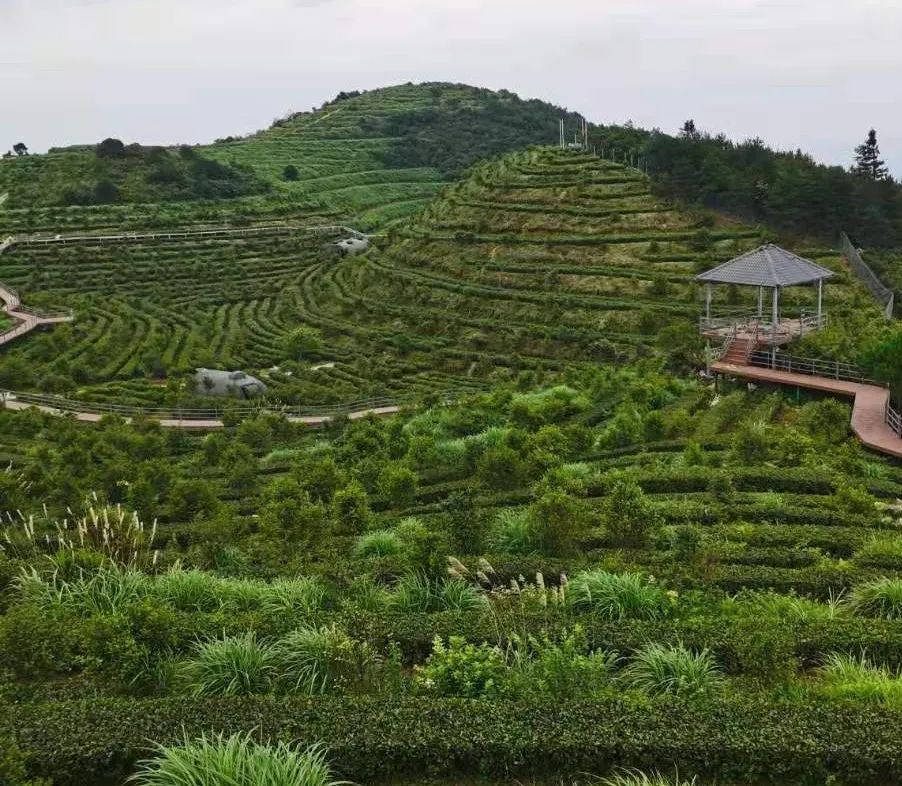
(893, 419)
(61, 404)
(886, 297)
(179, 234)
(830, 369)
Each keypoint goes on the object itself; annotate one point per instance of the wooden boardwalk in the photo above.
(24, 319)
(868, 411)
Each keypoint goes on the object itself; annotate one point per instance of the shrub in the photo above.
(557, 522)
(616, 596)
(381, 543)
(658, 669)
(629, 518)
(398, 484)
(231, 666)
(218, 760)
(500, 468)
(312, 661)
(351, 509)
(463, 670)
(878, 598)
(564, 669)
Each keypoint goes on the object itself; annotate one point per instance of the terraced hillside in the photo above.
(548, 259)
(537, 262)
(368, 159)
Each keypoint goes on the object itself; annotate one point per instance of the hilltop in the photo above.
(364, 158)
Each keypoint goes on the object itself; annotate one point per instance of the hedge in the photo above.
(749, 738)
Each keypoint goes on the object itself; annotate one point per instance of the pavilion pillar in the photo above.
(775, 322)
(760, 302)
(708, 295)
(820, 300)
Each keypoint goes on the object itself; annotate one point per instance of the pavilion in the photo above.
(768, 267)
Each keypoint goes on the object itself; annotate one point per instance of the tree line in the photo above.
(786, 190)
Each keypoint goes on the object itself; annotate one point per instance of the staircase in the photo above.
(738, 351)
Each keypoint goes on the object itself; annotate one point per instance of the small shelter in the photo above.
(351, 246)
(231, 384)
(768, 267)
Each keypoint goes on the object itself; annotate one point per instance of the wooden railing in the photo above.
(831, 369)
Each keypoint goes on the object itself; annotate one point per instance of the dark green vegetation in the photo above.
(534, 263)
(627, 571)
(786, 190)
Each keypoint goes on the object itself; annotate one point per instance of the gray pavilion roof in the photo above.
(767, 266)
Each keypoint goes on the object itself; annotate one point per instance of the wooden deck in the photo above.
(868, 411)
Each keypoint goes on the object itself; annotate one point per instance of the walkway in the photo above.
(868, 411)
(25, 319)
(11, 402)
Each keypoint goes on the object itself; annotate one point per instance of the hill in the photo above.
(364, 158)
(535, 263)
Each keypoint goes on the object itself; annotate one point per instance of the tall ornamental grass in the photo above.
(880, 598)
(238, 760)
(660, 669)
(617, 596)
(231, 666)
(845, 676)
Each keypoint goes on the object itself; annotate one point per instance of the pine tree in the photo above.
(867, 159)
(689, 131)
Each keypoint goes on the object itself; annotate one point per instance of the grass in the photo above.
(238, 760)
(845, 676)
(880, 598)
(231, 666)
(660, 669)
(616, 596)
(313, 661)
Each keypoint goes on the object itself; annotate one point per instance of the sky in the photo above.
(810, 74)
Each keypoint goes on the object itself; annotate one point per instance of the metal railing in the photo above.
(885, 296)
(183, 234)
(893, 419)
(61, 404)
(759, 328)
(830, 369)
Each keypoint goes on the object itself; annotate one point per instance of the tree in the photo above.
(689, 131)
(20, 149)
(883, 360)
(867, 159)
(302, 341)
(291, 173)
(110, 148)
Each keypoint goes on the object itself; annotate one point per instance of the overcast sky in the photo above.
(814, 74)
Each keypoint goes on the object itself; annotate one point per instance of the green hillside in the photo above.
(367, 159)
(563, 555)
